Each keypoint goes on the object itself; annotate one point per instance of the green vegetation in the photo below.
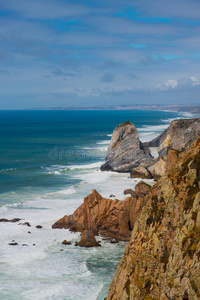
(124, 124)
(190, 242)
(157, 213)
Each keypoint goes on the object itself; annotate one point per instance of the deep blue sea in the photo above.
(49, 161)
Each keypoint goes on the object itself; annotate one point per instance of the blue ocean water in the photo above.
(49, 161)
(33, 141)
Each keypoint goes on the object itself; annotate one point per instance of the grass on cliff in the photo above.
(124, 124)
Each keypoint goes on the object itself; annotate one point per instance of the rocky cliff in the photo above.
(178, 136)
(126, 151)
(110, 218)
(162, 259)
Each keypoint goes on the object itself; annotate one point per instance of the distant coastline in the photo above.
(191, 108)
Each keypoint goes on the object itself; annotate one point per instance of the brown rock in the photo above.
(141, 172)
(12, 221)
(162, 259)
(26, 224)
(65, 242)
(88, 240)
(110, 218)
(38, 226)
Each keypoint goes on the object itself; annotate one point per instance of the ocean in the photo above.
(49, 161)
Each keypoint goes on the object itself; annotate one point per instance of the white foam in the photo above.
(154, 128)
(104, 142)
(7, 170)
(54, 173)
(82, 167)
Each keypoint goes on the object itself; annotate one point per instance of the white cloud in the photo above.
(180, 83)
(171, 83)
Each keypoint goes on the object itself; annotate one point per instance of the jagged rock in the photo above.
(88, 240)
(112, 196)
(178, 136)
(65, 242)
(126, 151)
(162, 259)
(113, 219)
(129, 191)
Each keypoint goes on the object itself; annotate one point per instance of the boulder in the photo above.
(26, 224)
(38, 226)
(141, 172)
(88, 240)
(126, 151)
(65, 242)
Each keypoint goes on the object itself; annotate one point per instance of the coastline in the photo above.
(48, 243)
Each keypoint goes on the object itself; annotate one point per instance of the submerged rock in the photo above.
(110, 218)
(88, 240)
(126, 151)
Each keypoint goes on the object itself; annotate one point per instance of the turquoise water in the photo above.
(49, 161)
(33, 142)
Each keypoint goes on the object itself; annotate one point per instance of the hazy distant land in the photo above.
(193, 108)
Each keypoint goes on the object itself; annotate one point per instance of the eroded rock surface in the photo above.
(88, 240)
(109, 218)
(162, 259)
(178, 136)
(126, 151)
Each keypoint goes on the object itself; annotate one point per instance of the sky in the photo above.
(59, 53)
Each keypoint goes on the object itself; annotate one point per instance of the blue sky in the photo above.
(80, 53)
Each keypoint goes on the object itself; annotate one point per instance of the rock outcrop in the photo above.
(88, 240)
(162, 259)
(113, 219)
(126, 151)
(178, 136)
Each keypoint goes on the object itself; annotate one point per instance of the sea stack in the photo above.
(126, 151)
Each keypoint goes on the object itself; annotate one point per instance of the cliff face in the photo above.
(126, 151)
(162, 259)
(109, 218)
(179, 135)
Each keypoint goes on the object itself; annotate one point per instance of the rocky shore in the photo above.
(161, 223)
(112, 219)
